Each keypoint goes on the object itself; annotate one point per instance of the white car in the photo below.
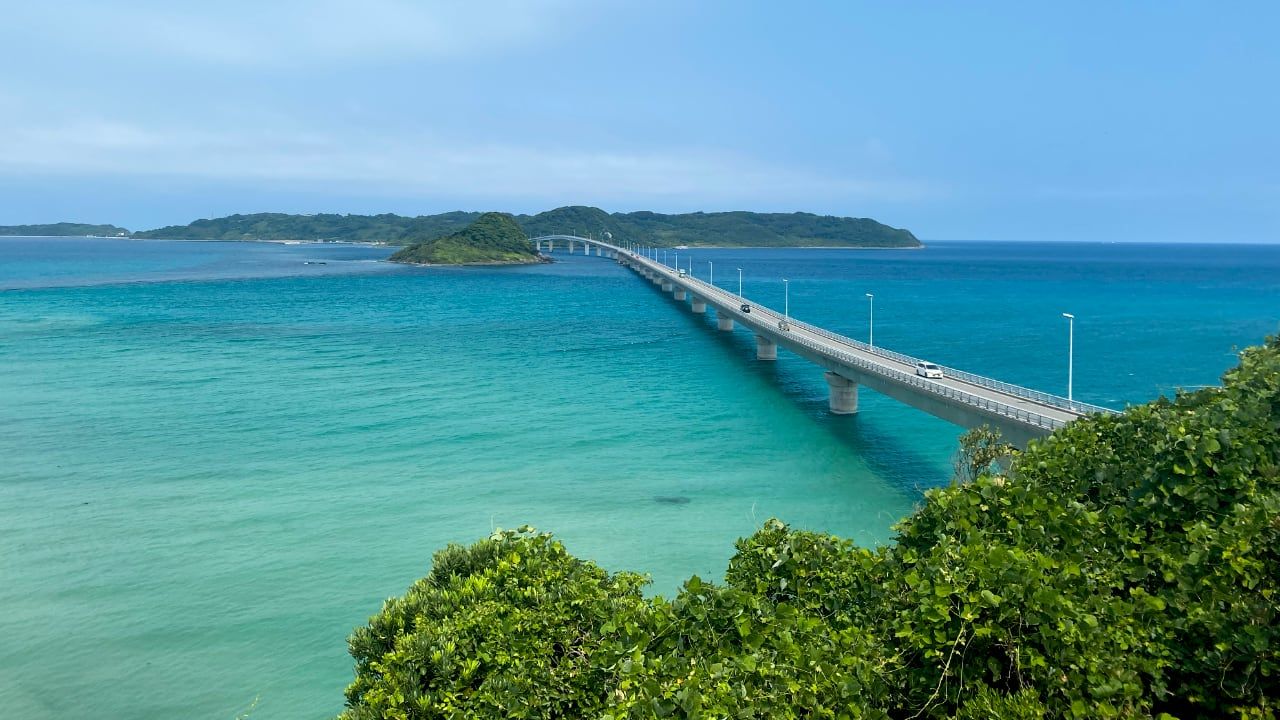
(928, 369)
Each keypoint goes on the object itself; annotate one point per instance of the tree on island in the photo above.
(493, 239)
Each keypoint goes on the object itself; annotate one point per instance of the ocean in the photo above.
(217, 459)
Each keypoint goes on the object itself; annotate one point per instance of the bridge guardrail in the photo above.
(971, 378)
(911, 379)
(1043, 398)
(995, 406)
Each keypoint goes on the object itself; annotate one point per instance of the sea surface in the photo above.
(216, 459)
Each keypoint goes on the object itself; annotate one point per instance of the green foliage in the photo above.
(1125, 567)
(723, 229)
(741, 229)
(982, 451)
(385, 228)
(492, 238)
(64, 229)
(510, 627)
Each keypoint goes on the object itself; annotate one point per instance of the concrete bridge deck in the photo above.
(1021, 414)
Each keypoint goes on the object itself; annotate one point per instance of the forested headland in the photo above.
(1126, 566)
(722, 229)
(63, 229)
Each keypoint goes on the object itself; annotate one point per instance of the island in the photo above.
(493, 239)
(699, 229)
(721, 229)
(63, 229)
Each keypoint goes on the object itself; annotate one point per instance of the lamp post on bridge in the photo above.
(1071, 349)
(739, 282)
(871, 320)
(786, 301)
(712, 273)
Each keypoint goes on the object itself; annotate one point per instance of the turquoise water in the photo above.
(216, 460)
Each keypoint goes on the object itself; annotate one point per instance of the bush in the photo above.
(1125, 567)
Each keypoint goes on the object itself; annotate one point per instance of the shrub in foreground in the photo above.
(1125, 567)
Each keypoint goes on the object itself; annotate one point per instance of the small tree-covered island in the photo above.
(1126, 566)
(493, 239)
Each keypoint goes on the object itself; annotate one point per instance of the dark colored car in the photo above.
(745, 308)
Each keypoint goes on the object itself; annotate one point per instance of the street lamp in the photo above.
(712, 273)
(786, 300)
(739, 282)
(676, 259)
(1071, 349)
(871, 320)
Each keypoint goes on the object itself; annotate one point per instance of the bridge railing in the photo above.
(991, 383)
(1042, 398)
(994, 406)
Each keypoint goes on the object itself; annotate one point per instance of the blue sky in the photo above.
(1148, 121)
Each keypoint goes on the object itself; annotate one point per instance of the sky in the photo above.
(1091, 121)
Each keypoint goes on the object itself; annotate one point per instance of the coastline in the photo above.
(492, 263)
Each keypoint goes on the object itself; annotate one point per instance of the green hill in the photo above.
(721, 229)
(494, 238)
(725, 229)
(385, 228)
(64, 229)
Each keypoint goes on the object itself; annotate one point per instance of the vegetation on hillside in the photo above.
(722, 229)
(494, 238)
(1127, 566)
(743, 229)
(385, 228)
(64, 229)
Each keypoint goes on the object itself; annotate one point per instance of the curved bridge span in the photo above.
(1020, 414)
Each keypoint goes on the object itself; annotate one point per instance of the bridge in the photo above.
(965, 399)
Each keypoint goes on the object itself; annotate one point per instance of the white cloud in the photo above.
(424, 165)
(298, 33)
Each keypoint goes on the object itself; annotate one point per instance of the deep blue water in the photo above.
(216, 459)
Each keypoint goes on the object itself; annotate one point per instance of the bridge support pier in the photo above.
(699, 305)
(597, 251)
(667, 287)
(723, 322)
(843, 399)
(679, 294)
(766, 349)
